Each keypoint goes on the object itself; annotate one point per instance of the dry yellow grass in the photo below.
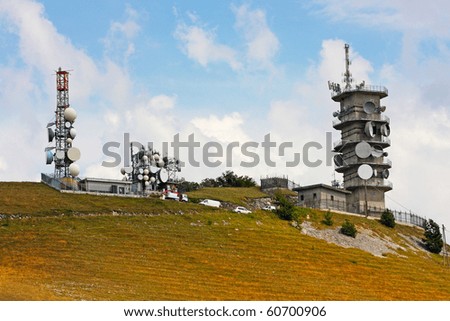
(203, 254)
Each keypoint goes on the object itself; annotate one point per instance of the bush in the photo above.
(349, 229)
(388, 219)
(328, 218)
(433, 237)
(285, 209)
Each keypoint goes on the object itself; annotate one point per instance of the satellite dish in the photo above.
(163, 175)
(67, 124)
(146, 171)
(69, 140)
(385, 173)
(377, 151)
(147, 183)
(128, 170)
(73, 154)
(50, 124)
(152, 179)
(382, 109)
(145, 158)
(160, 163)
(49, 157)
(369, 107)
(385, 130)
(335, 114)
(122, 171)
(145, 177)
(369, 129)
(72, 133)
(74, 170)
(141, 170)
(153, 169)
(363, 149)
(156, 157)
(51, 134)
(338, 160)
(70, 114)
(365, 171)
(140, 177)
(60, 154)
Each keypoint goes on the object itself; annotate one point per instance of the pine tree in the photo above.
(433, 237)
(388, 219)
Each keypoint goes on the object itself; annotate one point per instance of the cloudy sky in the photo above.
(230, 73)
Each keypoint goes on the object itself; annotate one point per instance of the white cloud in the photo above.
(200, 45)
(262, 44)
(226, 129)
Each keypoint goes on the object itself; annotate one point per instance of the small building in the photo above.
(322, 196)
(270, 183)
(102, 185)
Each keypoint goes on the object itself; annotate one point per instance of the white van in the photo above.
(211, 203)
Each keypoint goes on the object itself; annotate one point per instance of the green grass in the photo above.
(203, 254)
(233, 195)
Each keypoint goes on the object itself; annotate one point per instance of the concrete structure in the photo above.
(364, 136)
(101, 185)
(269, 183)
(323, 197)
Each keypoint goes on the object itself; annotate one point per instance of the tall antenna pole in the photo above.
(347, 75)
(445, 245)
(62, 102)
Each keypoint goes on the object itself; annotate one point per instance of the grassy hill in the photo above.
(57, 246)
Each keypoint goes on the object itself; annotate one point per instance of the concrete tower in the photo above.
(361, 149)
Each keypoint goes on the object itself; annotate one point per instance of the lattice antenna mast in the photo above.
(347, 75)
(62, 102)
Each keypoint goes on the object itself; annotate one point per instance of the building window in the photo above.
(302, 197)
(314, 196)
(332, 197)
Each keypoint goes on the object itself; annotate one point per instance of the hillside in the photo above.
(59, 246)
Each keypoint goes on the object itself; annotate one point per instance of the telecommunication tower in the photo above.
(64, 133)
(364, 137)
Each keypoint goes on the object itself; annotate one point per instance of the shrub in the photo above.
(433, 237)
(285, 209)
(388, 219)
(328, 218)
(349, 229)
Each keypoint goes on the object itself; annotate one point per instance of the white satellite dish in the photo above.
(152, 179)
(163, 175)
(128, 170)
(60, 154)
(365, 171)
(140, 177)
(377, 151)
(156, 157)
(72, 133)
(369, 129)
(385, 130)
(122, 171)
(51, 134)
(338, 160)
(67, 124)
(146, 177)
(160, 163)
(369, 107)
(147, 183)
(154, 169)
(145, 158)
(385, 173)
(49, 157)
(363, 149)
(69, 140)
(146, 171)
(70, 114)
(73, 154)
(74, 170)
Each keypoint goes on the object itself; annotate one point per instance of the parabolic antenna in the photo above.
(369, 107)
(365, 171)
(154, 169)
(70, 114)
(152, 179)
(145, 158)
(385, 173)
(72, 133)
(128, 170)
(156, 157)
(370, 129)
(385, 130)
(146, 177)
(338, 160)
(141, 170)
(377, 151)
(49, 157)
(51, 134)
(363, 149)
(140, 177)
(146, 171)
(163, 175)
(67, 124)
(147, 183)
(122, 171)
(60, 154)
(160, 163)
(69, 140)
(74, 170)
(73, 154)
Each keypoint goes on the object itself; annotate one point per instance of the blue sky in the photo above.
(228, 71)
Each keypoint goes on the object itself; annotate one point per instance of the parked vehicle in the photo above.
(269, 208)
(212, 203)
(242, 210)
(184, 198)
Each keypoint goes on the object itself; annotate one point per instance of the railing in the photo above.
(375, 117)
(378, 89)
(384, 140)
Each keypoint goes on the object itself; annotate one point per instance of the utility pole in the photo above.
(444, 252)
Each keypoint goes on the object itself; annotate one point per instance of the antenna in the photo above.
(347, 75)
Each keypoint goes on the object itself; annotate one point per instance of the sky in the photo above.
(232, 74)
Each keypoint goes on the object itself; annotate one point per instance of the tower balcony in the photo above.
(340, 123)
(385, 163)
(375, 182)
(341, 94)
(340, 144)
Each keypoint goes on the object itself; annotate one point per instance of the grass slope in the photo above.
(172, 251)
